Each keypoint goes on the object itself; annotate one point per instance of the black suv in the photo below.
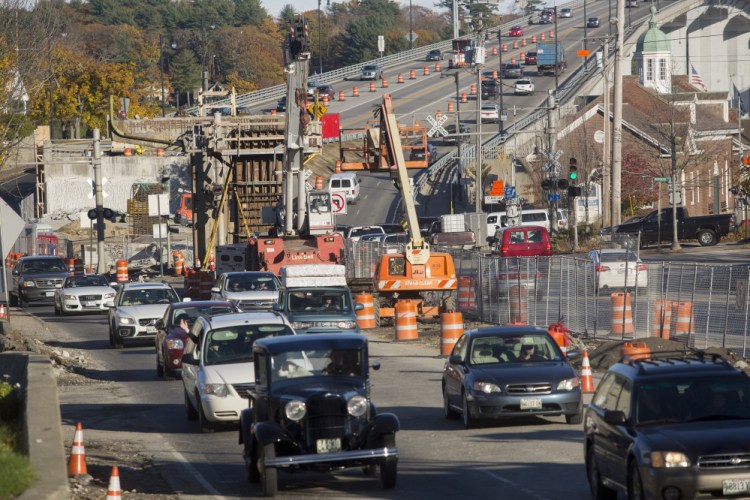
(36, 279)
(311, 409)
(669, 427)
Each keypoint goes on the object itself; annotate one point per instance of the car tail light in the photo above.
(548, 246)
(503, 249)
(601, 269)
(641, 267)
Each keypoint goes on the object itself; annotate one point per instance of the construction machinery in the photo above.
(370, 153)
(415, 273)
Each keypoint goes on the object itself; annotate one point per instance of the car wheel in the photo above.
(449, 412)
(13, 300)
(465, 413)
(159, 368)
(118, 342)
(635, 486)
(252, 467)
(574, 419)
(598, 490)
(268, 475)
(190, 412)
(205, 424)
(22, 303)
(389, 465)
(707, 238)
(62, 311)
(57, 311)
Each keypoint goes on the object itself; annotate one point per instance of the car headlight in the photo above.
(299, 324)
(357, 406)
(346, 324)
(29, 284)
(110, 295)
(218, 390)
(668, 459)
(486, 387)
(70, 297)
(568, 384)
(124, 320)
(175, 344)
(295, 410)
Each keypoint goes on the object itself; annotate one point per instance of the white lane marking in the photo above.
(193, 471)
(516, 485)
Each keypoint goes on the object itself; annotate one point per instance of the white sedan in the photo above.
(617, 268)
(84, 293)
(524, 86)
(490, 113)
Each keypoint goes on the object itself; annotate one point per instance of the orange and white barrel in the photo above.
(451, 329)
(179, 262)
(622, 314)
(561, 334)
(519, 304)
(205, 283)
(406, 320)
(78, 267)
(662, 319)
(683, 314)
(122, 271)
(466, 294)
(318, 182)
(71, 266)
(366, 315)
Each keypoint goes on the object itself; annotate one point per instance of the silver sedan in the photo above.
(84, 293)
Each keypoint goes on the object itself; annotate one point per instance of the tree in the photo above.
(248, 12)
(375, 17)
(286, 15)
(186, 71)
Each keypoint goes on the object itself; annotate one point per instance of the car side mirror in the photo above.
(359, 306)
(375, 366)
(216, 289)
(159, 324)
(455, 359)
(278, 307)
(114, 284)
(15, 272)
(573, 354)
(186, 299)
(109, 303)
(614, 417)
(188, 359)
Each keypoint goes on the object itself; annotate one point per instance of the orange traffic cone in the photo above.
(587, 381)
(3, 312)
(113, 490)
(77, 461)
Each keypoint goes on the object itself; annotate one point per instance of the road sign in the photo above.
(308, 173)
(498, 188)
(492, 199)
(158, 204)
(553, 197)
(381, 43)
(308, 186)
(317, 110)
(437, 125)
(510, 191)
(679, 197)
(339, 203)
(662, 179)
(599, 136)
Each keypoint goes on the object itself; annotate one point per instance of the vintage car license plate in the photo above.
(736, 486)
(150, 329)
(328, 445)
(531, 404)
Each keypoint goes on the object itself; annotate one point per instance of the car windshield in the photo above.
(692, 399)
(235, 344)
(190, 314)
(499, 349)
(79, 281)
(250, 284)
(369, 68)
(312, 363)
(148, 296)
(319, 301)
(366, 230)
(39, 266)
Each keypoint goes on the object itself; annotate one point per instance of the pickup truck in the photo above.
(36, 278)
(707, 229)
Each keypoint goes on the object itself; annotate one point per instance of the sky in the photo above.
(274, 6)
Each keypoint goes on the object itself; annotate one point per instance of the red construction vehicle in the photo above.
(271, 254)
(184, 214)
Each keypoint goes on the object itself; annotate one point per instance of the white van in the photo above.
(346, 183)
(529, 217)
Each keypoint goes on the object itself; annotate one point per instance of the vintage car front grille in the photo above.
(147, 321)
(735, 461)
(243, 390)
(326, 417)
(90, 297)
(529, 389)
(48, 282)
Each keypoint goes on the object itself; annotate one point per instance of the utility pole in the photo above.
(606, 170)
(617, 119)
(99, 199)
(500, 74)
(478, 63)
(459, 139)
(554, 171)
(557, 63)
(675, 240)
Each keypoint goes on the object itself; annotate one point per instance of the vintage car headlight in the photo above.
(568, 384)
(357, 406)
(124, 320)
(668, 459)
(175, 344)
(70, 297)
(29, 284)
(346, 324)
(300, 324)
(486, 387)
(295, 410)
(218, 390)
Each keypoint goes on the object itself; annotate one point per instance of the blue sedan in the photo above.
(510, 371)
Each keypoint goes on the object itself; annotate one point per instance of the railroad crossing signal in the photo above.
(437, 125)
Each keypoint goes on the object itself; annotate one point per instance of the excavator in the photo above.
(418, 274)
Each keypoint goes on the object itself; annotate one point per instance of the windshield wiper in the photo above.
(708, 418)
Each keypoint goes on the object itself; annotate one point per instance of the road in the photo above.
(438, 458)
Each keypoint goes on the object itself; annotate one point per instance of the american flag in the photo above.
(695, 78)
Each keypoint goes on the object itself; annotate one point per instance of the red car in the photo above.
(516, 31)
(171, 337)
(530, 58)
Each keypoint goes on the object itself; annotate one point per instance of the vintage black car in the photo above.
(311, 409)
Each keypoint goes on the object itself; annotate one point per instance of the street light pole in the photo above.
(500, 74)
(161, 74)
(320, 44)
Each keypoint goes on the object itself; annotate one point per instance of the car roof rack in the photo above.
(673, 358)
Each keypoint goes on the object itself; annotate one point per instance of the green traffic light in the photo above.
(573, 175)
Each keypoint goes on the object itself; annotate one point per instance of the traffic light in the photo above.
(546, 184)
(299, 37)
(562, 184)
(574, 191)
(107, 214)
(573, 169)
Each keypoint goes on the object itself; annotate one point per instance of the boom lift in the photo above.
(418, 272)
